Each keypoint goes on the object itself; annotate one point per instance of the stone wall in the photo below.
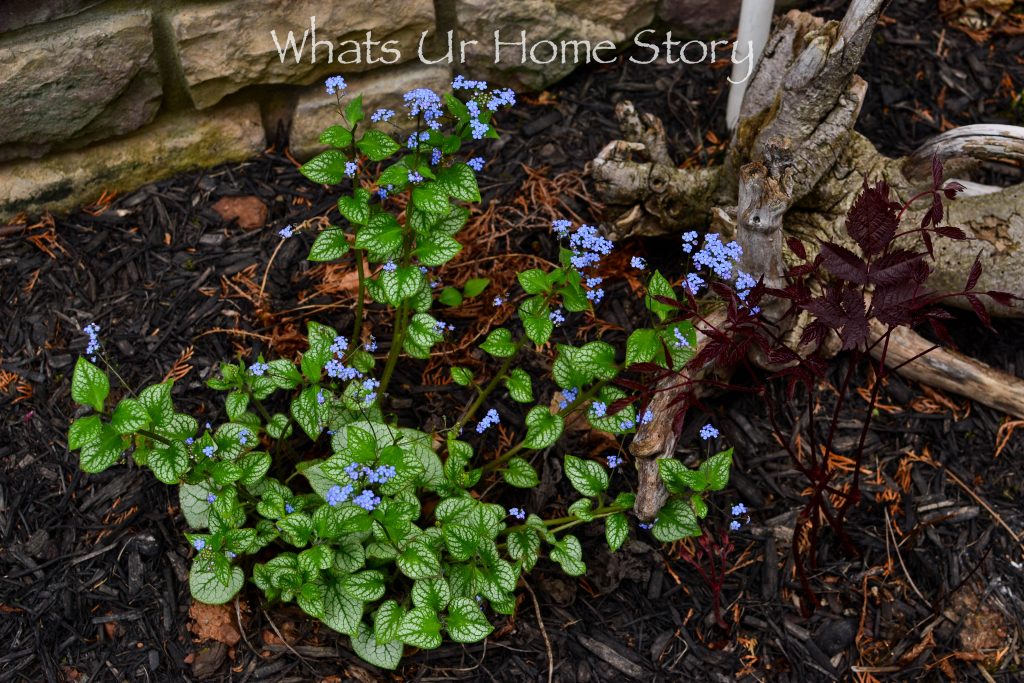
(105, 95)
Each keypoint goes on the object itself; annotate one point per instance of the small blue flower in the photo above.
(390, 267)
(739, 509)
(744, 283)
(734, 525)
(694, 283)
(504, 97)
(231, 555)
(689, 241)
(518, 513)
(598, 409)
(415, 177)
(339, 345)
(435, 157)
(614, 461)
(463, 83)
(385, 473)
(370, 387)
(367, 500)
(556, 317)
(382, 115)
(92, 330)
(561, 227)
(353, 470)
(190, 441)
(568, 396)
(638, 263)
(211, 498)
(208, 451)
(681, 341)
(646, 417)
(476, 163)
(626, 424)
(708, 432)
(335, 84)
(199, 544)
(646, 525)
(500, 300)
(257, 369)
(243, 436)
(350, 169)
(491, 418)
(286, 232)
(337, 495)
(320, 397)
(289, 508)
(371, 345)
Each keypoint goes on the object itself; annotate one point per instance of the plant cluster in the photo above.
(313, 490)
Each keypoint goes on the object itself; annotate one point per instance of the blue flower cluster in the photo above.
(681, 341)
(441, 327)
(598, 409)
(350, 169)
(93, 331)
(381, 474)
(556, 317)
(477, 128)
(500, 300)
(435, 157)
(367, 500)
(738, 510)
(718, 257)
(614, 461)
(199, 544)
(339, 345)
(286, 232)
(369, 390)
(208, 451)
(336, 495)
(587, 248)
(243, 436)
(568, 396)
(371, 345)
(426, 103)
(518, 513)
(708, 432)
(258, 369)
(415, 177)
(491, 418)
(382, 115)
(638, 263)
(335, 84)
(463, 83)
(390, 267)
(647, 417)
(476, 163)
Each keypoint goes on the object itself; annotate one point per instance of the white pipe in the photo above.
(751, 37)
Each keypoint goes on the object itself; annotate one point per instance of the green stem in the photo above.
(396, 348)
(357, 328)
(562, 523)
(154, 436)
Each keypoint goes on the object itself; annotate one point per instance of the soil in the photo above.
(93, 568)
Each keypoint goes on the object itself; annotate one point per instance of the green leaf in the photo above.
(279, 426)
(129, 416)
(169, 463)
(659, 286)
(459, 181)
(466, 623)
(386, 655)
(326, 168)
(616, 529)
(642, 346)
(205, 585)
(427, 198)
(519, 386)
(524, 546)
(679, 479)
(431, 593)
(306, 412)
(89, 385)
(436, 250)
(716, 470)
(450, 296)
(254, 466)
(542, 428)
(700, 508)
(499, 343)
(320, 337)
(576, 367)
(195, 504)
(84, 430)
(400, 284)
(536, 318)
(419, 561)
(586, 476)
(329, 245)
(534, 281)
(98, 455)
(354, 110)
(336, 136)
(342, 612)
(582, 508)
(381, 237)
(568, 553)
(396, 175)
(461, 376)
(356, 208)
(421, 628)
(475, 286)
(520, 474)
(675, 520)
(386, 621)
(236, 403)
(366, 585)
(377, 145)
(283, 373)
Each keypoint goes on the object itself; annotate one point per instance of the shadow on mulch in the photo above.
(93, 571)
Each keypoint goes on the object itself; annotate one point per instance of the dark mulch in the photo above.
(93, 582)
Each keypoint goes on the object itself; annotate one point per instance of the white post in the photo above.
(751, 37)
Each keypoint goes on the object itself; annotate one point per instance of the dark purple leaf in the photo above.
(979, 310)
(894, 267)
(936, 172)
(872, 221)
(950, 232)
(843, 263)
(797, 247)
(1002, 298)
(972, 279)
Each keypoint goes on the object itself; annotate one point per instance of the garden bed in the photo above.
(94, 567)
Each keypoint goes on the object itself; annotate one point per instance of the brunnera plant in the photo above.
(316, 494)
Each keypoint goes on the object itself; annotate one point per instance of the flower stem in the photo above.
(489, 389)
(396, 348)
